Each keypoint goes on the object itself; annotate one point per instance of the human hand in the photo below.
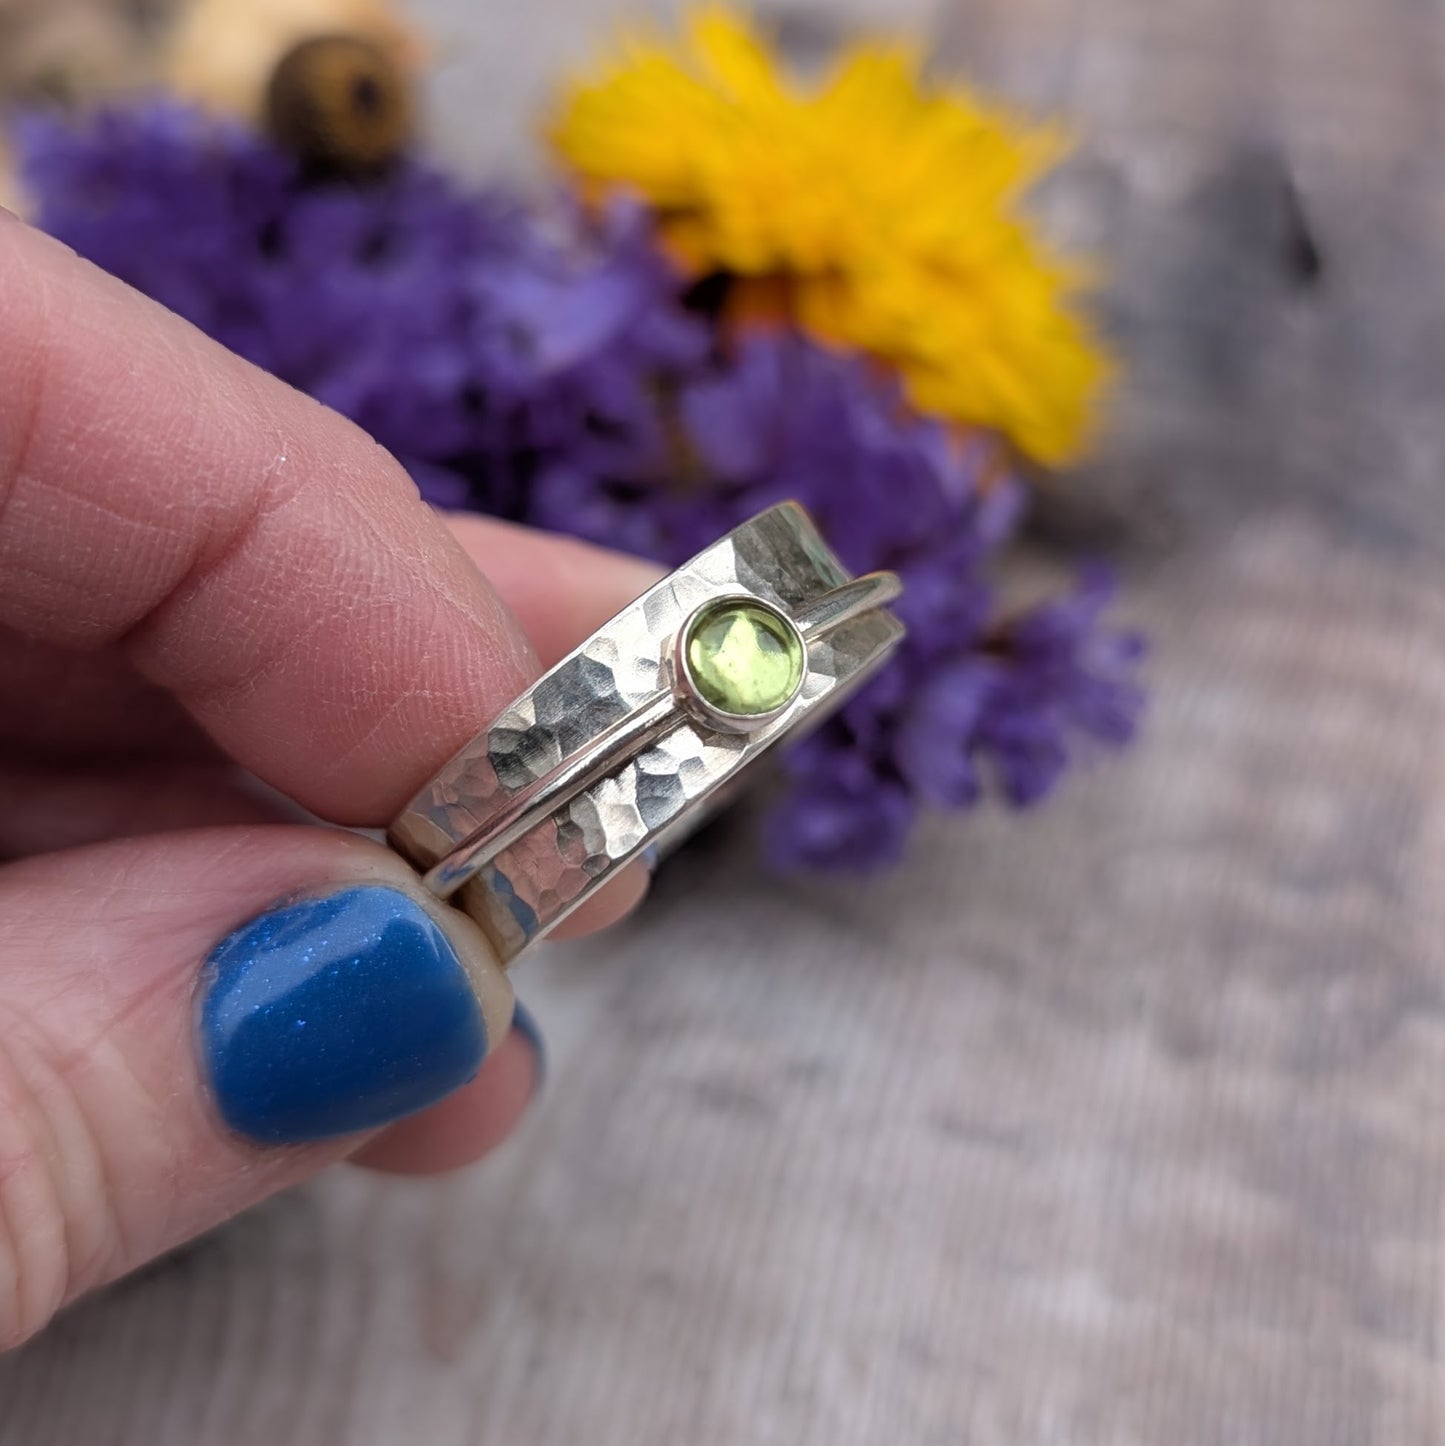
(205, 575)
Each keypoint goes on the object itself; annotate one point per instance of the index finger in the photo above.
(252, 552)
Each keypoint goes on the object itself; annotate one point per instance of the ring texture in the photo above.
(626, 743)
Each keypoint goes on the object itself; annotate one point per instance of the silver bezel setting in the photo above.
(685, 686)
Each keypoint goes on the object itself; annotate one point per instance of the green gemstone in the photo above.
(743, 658)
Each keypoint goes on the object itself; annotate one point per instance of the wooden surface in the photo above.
(1122, 1123)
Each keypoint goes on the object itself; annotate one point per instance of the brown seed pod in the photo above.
(341, 104)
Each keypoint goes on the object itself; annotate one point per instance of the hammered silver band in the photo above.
(611, 753)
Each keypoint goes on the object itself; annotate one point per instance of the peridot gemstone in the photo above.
(743, 658)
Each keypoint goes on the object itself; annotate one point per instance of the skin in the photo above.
(206, 579)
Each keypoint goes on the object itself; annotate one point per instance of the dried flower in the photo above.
(875, 210)
(972, 693)
(447, 324)
(553, 374)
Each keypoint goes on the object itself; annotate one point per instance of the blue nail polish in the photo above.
(337, 1014)
(525, 1023)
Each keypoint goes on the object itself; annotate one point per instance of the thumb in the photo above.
(190, 1022)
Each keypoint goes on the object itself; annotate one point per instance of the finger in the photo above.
(64, 704)
(47, 808)
(561, 590)
(57, 704)
(302, 604)
(300, 601)
(136, 1111)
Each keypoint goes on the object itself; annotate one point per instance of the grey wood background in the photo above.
(1121, 1123)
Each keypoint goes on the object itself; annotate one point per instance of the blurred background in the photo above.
(1122, 1123)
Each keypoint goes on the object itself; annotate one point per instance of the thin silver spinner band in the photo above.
(624, 745)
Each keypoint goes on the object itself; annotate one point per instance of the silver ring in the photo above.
(629, 741)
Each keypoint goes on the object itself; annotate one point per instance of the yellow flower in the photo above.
(881, 210)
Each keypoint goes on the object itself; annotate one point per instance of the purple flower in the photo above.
(554, 374)
(776, 417)
(1063, 679)
(464, 338)
(970, 699)
(937, 726)
(838, 814)
(1014, 706)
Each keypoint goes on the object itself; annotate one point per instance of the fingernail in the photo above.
(525, 1023)
(332, 1015)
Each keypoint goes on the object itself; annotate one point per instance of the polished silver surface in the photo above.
(601, 759)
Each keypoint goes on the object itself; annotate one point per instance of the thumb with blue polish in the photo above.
(192, 1021)
(344, 1011)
